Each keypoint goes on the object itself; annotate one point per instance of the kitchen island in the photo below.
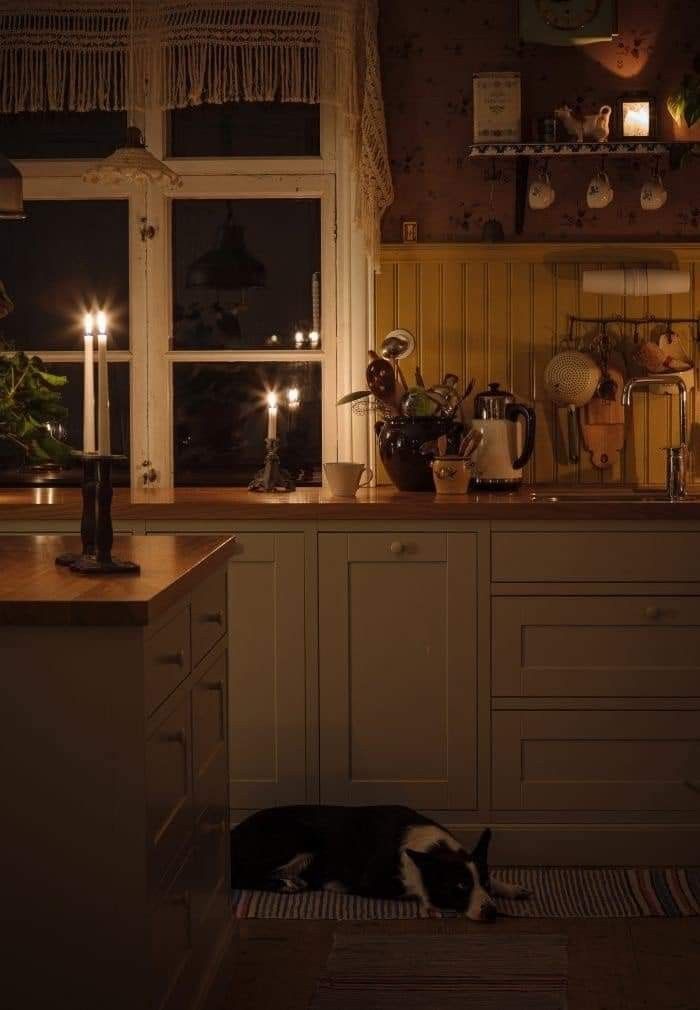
(532, 663)
(114, 707)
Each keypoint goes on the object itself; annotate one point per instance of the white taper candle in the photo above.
(272, 415)
(103, 435)
(89, 387)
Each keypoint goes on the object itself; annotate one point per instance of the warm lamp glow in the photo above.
(102, 322)
(636, 118)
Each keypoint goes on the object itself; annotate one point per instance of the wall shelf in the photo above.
(525, 152)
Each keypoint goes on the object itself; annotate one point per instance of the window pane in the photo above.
(67, 256)
(61, 134)
(244, 272)
(245, 130)
(220, 420)
(13, 469)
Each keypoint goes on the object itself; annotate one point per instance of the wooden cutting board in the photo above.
(603, 425)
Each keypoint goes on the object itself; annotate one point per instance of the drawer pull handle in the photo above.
(217, 618)
(689, 784)
(396, 547)
(652, 613)
(173, 658)
(178, 737)
(214, 685)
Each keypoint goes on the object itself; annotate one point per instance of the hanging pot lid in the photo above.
(11, 192)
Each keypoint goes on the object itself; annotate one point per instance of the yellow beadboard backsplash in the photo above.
(499, 312)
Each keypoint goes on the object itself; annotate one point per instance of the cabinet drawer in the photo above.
(209, 737)
(169, 789)
(210, 872)
(620, 761)
(571, 556)
(167, 660)
(588, 646)
(397, 547)
(172, 927)
(208, 615)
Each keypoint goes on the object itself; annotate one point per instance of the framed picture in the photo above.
(567, 22)
(497, 108)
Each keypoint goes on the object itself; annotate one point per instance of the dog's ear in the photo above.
(480, 852)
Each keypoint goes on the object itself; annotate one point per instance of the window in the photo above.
(190, 355)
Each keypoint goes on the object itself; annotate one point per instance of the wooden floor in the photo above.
(614, 964)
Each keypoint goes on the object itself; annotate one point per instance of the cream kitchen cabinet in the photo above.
(267, 671)
(397, 664)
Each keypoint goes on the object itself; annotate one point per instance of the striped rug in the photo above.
(443, 972)
(558, 892)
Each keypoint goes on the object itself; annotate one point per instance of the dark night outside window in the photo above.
(279, 238)
(12, 468)
(61, 134)
(220, 421)
(245, 130)
(67, 256)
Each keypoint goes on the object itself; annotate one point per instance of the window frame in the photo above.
(345, 280)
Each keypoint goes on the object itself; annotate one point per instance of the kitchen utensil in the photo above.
(442, 445)
(418, 402)
(400, 448)
(571, 379)
(397, 344)
(603, 423)
(400, 376)
(470, 443)
(382, 382)
(501, 457)
(419, 378)
(357, 394)
(452, 412)
(446, 391)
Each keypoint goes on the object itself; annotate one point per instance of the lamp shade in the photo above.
(636, 281)
(11, 196)
(228, 267)
(133, 163)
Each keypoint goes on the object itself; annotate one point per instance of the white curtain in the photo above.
(74, 55)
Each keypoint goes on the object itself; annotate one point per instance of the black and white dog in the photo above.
(377, 852)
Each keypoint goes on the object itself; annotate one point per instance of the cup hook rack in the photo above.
(636, 321)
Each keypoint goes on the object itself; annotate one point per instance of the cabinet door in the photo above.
(397, 651)
(267, 707)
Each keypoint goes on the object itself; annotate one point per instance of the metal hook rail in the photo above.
(636, 321)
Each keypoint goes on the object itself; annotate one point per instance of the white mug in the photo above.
(599, 193)
(541, 195)
(653, 195)
(344, 478)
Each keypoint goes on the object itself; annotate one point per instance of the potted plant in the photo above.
(30, 406)
(684, 102)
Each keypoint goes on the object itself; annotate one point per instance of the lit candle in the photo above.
(293, 397)
(314, 338)
(272, 415)
(89, 387)
(298, 338)
(103, 436)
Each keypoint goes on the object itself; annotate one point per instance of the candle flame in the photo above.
(102, 322)
(314, 338)
(88, 323)
(298, 338)
(293, 396)
(272, 399)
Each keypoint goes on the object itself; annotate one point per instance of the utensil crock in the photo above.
(400, 441)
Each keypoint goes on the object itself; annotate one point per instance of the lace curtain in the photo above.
(74, 55)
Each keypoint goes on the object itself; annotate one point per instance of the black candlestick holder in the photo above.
(89, 517)
(272, 476)
(96, 528)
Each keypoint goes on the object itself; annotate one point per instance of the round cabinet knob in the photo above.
(216, 618)
(174, 658)
(652, 613)
(396, 547)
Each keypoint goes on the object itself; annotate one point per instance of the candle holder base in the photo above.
(272, 476)
(91, 566)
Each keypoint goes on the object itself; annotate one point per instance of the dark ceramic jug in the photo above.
(400, 441)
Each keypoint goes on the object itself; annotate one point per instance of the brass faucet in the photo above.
(676, 455)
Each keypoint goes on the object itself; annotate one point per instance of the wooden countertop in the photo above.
(231, 505)
(34, 590)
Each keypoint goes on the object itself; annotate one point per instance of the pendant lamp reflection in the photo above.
(133, 163)
(228, 267)
(11, 194)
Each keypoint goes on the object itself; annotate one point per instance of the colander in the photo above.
(571, 379)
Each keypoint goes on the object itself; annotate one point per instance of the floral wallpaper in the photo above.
(431, 48)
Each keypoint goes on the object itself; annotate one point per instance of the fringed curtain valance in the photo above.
(74, 56)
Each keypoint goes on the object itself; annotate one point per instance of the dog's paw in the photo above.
(521, 893)
(291, 885)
